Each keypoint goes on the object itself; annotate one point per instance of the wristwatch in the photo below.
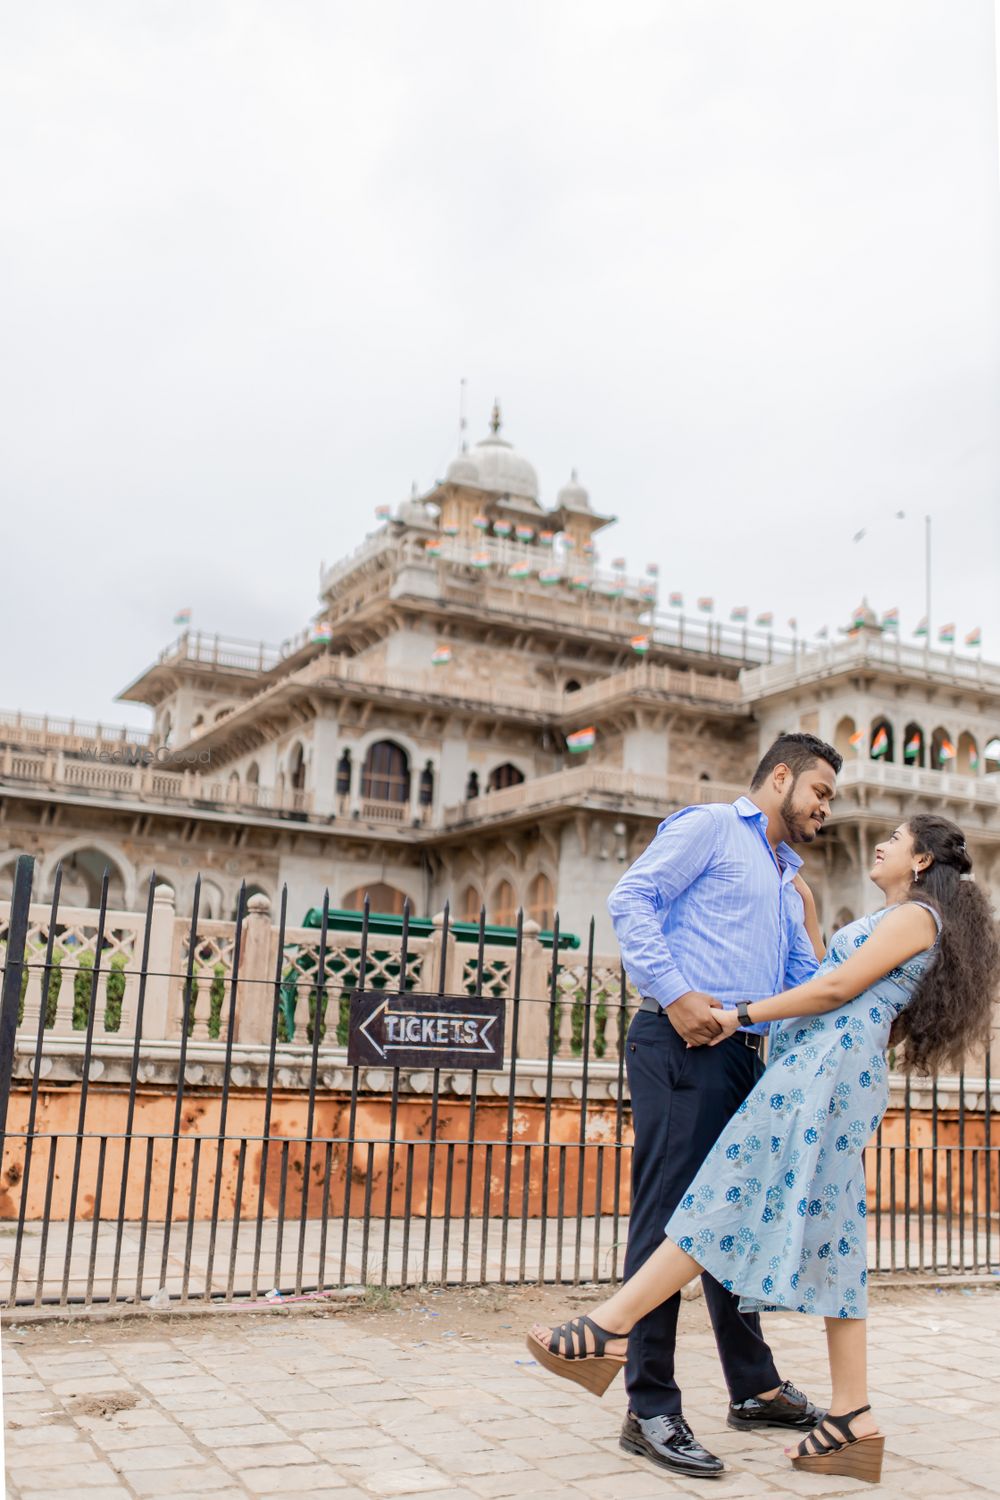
(743, 1012)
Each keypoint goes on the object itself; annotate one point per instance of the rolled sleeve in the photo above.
(683, 849)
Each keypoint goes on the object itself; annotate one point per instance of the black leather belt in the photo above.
(751, 1039)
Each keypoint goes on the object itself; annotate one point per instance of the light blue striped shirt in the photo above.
(704, 908)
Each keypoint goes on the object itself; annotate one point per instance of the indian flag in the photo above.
(767, 618)
(549, 575)
(519, 570)
(546, 538)
(974, 637)
(973, 758)
(890, 620)
(579, 582)
(481, 523)
(921, 627)
(321, 631)
(481, 560)
(582, 739)
(524, 533)
(946, 751)
(676, 601)
(947, 635)
(451, 529)
(383, 512)
(647, 591)
(618, 563)
(640, 643)
(653, 569)
(611, 591)
(912, 747)
(880, 744)
(706, 605)
(502, 528)
(739, 612)
(857, 739)
(441, 657)
(182, 617)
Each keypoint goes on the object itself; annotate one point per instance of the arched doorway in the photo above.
(504, 776)
(382, 898)
(942, 750)
(967, 759)
(881, 742)
(385, 776)
(842, 738)
(470, 905)
(914, 746)
(502, 907)
(541, 901)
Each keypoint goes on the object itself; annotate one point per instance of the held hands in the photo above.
(694, 1017)
(729, 1023)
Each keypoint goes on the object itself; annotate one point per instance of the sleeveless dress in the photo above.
(777, 1211)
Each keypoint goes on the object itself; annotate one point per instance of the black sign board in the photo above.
(426, 1031)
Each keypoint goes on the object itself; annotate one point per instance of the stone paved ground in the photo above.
(434, 1395)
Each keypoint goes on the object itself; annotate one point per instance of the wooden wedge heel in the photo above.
(824, 1452)
(591, 1368)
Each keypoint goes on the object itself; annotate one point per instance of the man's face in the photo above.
(805, 805)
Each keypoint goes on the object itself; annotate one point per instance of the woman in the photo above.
(777, 1210)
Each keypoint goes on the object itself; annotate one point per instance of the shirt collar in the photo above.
(746, 808)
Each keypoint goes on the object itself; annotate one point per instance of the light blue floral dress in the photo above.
(777, 1210)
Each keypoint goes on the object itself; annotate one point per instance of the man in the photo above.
(709, 913)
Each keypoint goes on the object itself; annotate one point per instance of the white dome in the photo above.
(573, 496)
(462, 470)
(499, 467)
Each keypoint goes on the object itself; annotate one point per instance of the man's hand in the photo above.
(729, 1023)
(693, 1018)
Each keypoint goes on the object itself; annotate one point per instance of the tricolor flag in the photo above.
(647, 591)
(767, 618)
(451, 529)
(913, 747)
(481, 523)
(441, 657)
(546, 537)
(519, 570)
(321, 631)
(524, 533)
(183, 617)
(973, 758)
(640, 644)
(481, 560)
(890, 620)
(880, 744)
(618, 563)
(433, 548)
(582, 739)
(921, 627)
(502, 528)
(611, 591)
(793, 623)
(588, 549)
(947, 635)
(974, 637)
(676, 601)
(383, 512)
(549, 575)
(857, 739)
(946, 751)
(739, 612)
(653, 569)
(579, 581)
(706, 605)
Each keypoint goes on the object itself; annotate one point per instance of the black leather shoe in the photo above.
(789, 1408)
(669, 1442)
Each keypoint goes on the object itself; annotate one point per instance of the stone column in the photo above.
(533, 1015)
(156, 1011)
(255, 989)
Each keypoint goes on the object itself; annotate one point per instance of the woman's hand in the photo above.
(728, 1020)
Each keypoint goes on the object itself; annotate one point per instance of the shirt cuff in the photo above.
(668, 988)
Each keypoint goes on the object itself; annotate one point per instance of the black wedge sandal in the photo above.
(591, 1368)
(824, 1452)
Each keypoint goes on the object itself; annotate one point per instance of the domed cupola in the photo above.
(462, 470)
(500, 469)
(573, 496)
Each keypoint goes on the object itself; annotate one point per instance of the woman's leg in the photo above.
(659, 1277)
(847, 1346)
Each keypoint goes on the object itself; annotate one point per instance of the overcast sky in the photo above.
(738, 264)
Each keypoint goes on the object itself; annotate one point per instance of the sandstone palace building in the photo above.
(481, 713)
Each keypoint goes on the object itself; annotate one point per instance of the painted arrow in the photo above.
(431, 1031)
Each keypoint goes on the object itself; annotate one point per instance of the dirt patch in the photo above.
(103, 1406)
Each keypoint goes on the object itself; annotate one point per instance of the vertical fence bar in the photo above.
(227, 1068)
(907, 1137)
(132, 1088)
(13, 967)
(584, 1084)
(619, 1118)
(237, 1218)
(265, 1146)
(988, 1153)
(435, 1103)
(962, 1250)
(318, 1026)
(352, 1117)
(88, 1296)
(470, 1119)
(390, 1166)
(508, 1161)
(934, 1172)
(553, 1041)
(179, 1097)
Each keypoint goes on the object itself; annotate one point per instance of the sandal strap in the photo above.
(843, 1423)
(823, 1436)
(562, 1339)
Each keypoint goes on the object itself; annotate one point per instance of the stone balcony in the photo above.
(873, 654)
(607, 787)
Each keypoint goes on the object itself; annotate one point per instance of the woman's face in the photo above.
(895, 860)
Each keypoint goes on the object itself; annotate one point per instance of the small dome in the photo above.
(462, 470)
(864, 616)
(573, 496)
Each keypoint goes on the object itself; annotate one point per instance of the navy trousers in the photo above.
(682, 1097)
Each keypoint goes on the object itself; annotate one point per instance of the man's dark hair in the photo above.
(797, 752)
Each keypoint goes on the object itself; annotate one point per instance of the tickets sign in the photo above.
(426, 1031)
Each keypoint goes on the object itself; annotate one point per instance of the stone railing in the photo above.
(818, 662)
(984, 790)
(46, 732)
(580, 783)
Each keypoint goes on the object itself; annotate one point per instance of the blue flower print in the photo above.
(815, 1207)
(843, 1247)
(861, 938)
(688, 1200)
(726, 1243)
(732, 1152)
(727, 1285)
(775, 1144)
(686, 1243)
(767, 1284)
(777, 1100)
(863, 1278)
(847, 1042)
(822, 1252)
(800, 1036)
(842, 1143)
(862, 1209)
(789, 1178)
(841, 1022)
(741, 1109)
(790, 1060)
(767, 1217)
(875, 1014)
(843, 1091)
(794, 1280)
(865, 1079)
(800, 1208)
(811, 1136)
(752, 1143)
(754, 1185)
(706, 1193)
(774, 1262)
(732, 1195)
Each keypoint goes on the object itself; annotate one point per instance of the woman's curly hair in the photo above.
(951, 1011)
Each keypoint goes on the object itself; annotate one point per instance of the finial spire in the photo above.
(496, 421)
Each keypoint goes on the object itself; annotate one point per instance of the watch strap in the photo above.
(743, 1012)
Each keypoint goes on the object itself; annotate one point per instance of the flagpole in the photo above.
(927, 578)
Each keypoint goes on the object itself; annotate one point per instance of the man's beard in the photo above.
(801, 828)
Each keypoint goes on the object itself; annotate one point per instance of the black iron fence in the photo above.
(149, 1162)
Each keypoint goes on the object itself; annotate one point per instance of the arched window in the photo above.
(914, 746)
(967, 759)
(541, 901)
(503, 776)
(234, 786)
(382, 898)
(167, 730)
(344, 775)
(297, 767)
(253, 774)
(472, 787)
(704, 776)
(470, 905)
(425, 794)
(991, 755)
(83, 876)
(572, 686)
(842, 737)
(385, 776)
(503, 905)
(942, 750)
(881, 741)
